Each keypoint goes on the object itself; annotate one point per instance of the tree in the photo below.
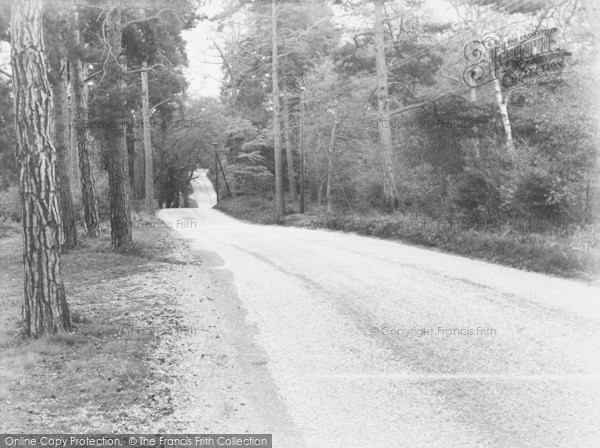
(110, 106)
(80, 115)
(149, 35)
(56, 30)
(147, 143)
(45, 307)
(279, 198)
(390, 191)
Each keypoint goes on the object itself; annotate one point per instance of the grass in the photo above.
(98, 377)
(575, 254)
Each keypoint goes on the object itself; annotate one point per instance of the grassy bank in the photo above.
(575, 254)
(106, 375)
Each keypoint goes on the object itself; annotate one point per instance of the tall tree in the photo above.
(390, 191)
(279, 198)
(118, 165)
(61, 140)
(147, 143)
(288, 144)
(45, 307)
(80, 89)
(57, 33)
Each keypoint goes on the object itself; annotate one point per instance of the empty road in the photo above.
(380, 344)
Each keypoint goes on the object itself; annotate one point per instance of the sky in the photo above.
(204, 70)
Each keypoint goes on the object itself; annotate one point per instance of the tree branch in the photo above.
(145, 19)
(401, 110)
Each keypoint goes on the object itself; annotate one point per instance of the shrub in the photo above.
(475, 195)
(533, 197)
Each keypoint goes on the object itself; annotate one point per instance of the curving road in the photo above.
(380, 344)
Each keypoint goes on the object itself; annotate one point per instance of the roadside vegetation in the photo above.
(572, 252)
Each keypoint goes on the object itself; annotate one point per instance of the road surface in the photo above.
(375, 343)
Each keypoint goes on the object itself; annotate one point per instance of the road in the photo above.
(380, 344)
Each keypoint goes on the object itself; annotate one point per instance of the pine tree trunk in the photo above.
(279, 197)
(149, 170)
(118, 164)
(288, 146)
(61, 138)
(119, 189)
(138, 158)
(45, 307)
(89, 199)
(73, 167)
(385, 134)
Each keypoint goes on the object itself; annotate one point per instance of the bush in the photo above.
(475, 195)
(533, 197)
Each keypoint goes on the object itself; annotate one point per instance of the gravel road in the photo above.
(380, 344)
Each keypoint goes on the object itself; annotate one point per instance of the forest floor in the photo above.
(154, 345)
(574, 256)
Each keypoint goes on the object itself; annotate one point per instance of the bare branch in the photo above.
(92, 76)
(158, 104)
(145, 19)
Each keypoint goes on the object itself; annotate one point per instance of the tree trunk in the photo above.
(89, 200)
(118, 187)
(320, 193)
(288, 145)
(502, 106)
(330, 165)
(62, 140)
(390, 191)
(45, 307)
(138, 159)
(73, 166)
(118, 163)
(302, 155)
(149, 170)
(279, 198)
(329, 198)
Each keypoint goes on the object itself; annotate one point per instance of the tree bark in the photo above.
(61, 139)
(390, 191)
(288, 145)
(73, 167)
(118, 165)
(138, 158)
(148, 162)
(330, 165)
(302, 154)
(45, 307)
(279, 198)
(503, 107)
(89, 199)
